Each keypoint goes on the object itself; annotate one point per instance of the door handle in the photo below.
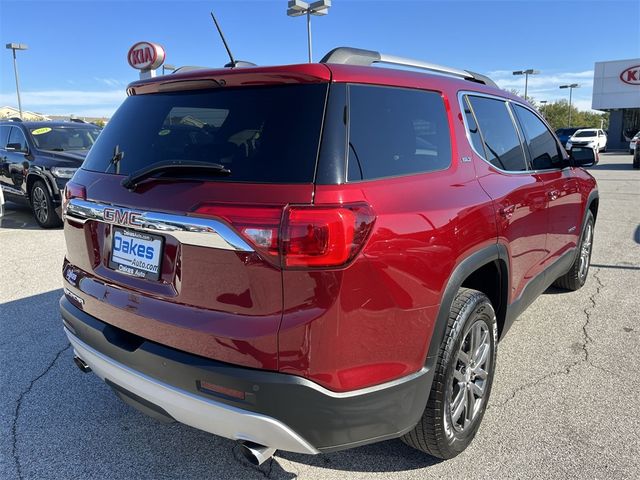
(553, 194)
(507, 212)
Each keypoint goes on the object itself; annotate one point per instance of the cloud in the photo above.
(111, 82)
(547, 86)
(63, 102)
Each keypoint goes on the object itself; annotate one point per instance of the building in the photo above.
(616, 89)
(10, 112)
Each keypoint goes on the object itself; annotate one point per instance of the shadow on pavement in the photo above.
(619, 267)
(389, 456)
(18, 217)
(612, 166)
(138, 446)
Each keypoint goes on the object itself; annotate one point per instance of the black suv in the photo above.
(36, 161)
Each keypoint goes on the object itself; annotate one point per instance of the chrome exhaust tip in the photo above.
(256, 454)
(81, 364)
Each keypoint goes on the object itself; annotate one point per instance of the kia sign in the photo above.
(146, 56)
(631, 75)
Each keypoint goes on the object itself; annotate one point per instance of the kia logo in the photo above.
(146, 56)
(122, 217)
(631, 75)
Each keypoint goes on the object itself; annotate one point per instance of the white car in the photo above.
(588, 137)
(634, 141)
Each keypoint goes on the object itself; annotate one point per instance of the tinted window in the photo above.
(261, 134)
(501, 141)
(474, 131)
(4, 135)
(394, 131)
(542, 146)
(17, 140)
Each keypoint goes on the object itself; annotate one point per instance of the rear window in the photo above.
(395, 131)
(261, 134)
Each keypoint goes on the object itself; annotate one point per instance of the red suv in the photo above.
(316, 257)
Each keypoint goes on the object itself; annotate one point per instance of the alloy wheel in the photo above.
(40, 205)
(470, 376)
(585, 252)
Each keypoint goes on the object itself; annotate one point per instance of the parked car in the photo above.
(633, 143)
(636, 158)
(565, 133)
(588, 137)
(36, 161)
(1, 203)
(320, 256)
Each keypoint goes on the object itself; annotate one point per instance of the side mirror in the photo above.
(583, 156)
(16, 147)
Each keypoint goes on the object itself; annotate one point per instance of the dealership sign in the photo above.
(631, 75)
(146, 56)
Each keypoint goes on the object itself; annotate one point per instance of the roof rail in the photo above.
(357, 56)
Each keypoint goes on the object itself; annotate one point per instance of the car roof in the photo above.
(308, 73)
(40, 124)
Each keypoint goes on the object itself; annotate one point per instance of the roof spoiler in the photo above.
(357, 56)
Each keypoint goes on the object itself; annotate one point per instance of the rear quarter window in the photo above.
(396, 131)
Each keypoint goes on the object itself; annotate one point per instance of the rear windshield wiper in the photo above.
(134, 179)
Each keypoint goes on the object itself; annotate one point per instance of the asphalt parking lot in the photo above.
(565, 401)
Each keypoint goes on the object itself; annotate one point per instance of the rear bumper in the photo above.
(282, 411)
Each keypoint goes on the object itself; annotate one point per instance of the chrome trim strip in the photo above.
(509, 102)
(198, 412)
(202, 232)
(13, 191)
(366, 390)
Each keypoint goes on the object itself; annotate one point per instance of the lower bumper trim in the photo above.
(198, 412)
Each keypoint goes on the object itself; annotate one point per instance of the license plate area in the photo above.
(135, 253)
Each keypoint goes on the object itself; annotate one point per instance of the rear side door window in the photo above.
(4, 136)
(17, 141)
(499, 136)
(396, 131)
(540, 141)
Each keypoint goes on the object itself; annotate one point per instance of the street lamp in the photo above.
(14, 47)
(169, 67)
(570, 87)
(526, 74)
(297, 8)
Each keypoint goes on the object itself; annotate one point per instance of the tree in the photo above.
(557, 114)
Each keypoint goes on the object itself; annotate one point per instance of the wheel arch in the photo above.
(32, 178)
(476, 271)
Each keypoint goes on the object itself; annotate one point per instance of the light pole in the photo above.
(169, 67)
(297, 8)
(14, 47)
(526, 74)
(570, 87)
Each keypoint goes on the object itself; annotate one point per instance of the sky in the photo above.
(77, 57)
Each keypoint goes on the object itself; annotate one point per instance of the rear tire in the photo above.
(462, 381)
(42, 206)
(576, 277)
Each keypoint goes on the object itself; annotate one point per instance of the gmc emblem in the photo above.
(121, 216)
(631, 75)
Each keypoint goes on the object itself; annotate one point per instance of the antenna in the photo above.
(233, 62)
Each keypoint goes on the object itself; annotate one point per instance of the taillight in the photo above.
(324, 236)
(259, 225)
(72, 190)
(303, 236)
